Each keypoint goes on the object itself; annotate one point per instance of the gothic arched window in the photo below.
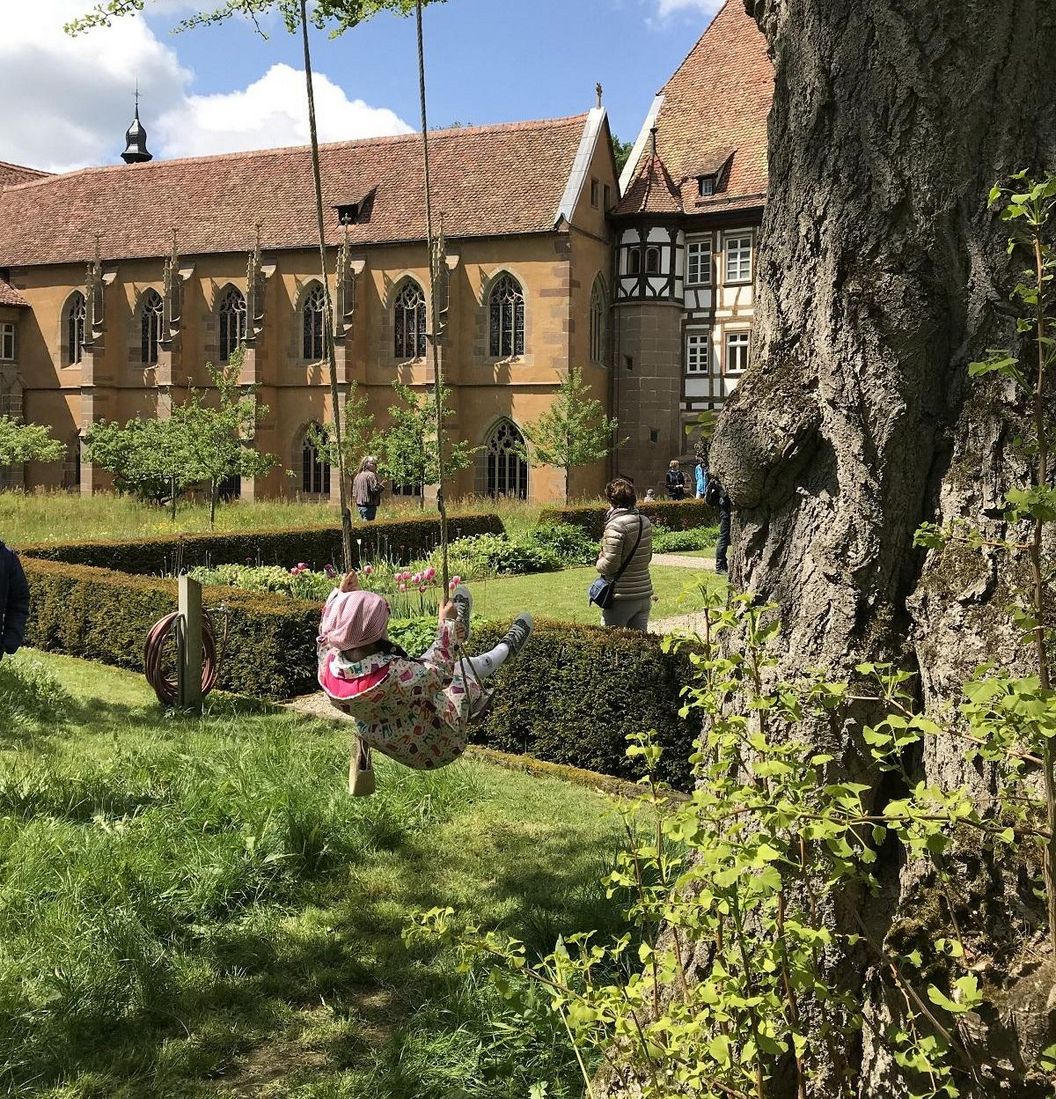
(501, 466)
(410, 322)
(652, 261)
(76, 314)
(151, 312)
(314, 310)
(597, 321)
(315, 469)
(506, 318)
(232, 323)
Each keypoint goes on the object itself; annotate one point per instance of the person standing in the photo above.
(700, 477)
(717, 497)
(14, 601)
(676, 481)
(626, 550)
(367, 489)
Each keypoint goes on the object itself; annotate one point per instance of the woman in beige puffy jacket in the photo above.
(634, 589)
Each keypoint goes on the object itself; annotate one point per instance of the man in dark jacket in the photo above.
(14, 601)
(715, 496)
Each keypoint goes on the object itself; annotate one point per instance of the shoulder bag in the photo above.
(603, 590)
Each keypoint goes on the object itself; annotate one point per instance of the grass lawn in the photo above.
(563, 595)
(62, 516)
(193, 907)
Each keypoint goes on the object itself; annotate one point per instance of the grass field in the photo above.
(193, 907)
(62, 516)
(563, 595)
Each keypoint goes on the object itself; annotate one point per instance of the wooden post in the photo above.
(190, 607)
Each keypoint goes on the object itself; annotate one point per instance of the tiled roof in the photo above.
(717, 102)
(487, 181)
(13, 174)
(652, 192)
(10, 296)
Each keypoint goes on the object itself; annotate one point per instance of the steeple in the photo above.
(136, 151)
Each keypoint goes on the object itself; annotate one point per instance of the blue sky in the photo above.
(488, 60)
(222, 89)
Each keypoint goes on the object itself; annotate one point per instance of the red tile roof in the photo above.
(13, 174)
(10, 296)
(717, 102)
(487, 181)
(652, 192)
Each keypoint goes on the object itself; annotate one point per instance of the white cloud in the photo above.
(271, 111)
(68, 100)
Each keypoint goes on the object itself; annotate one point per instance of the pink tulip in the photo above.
(368, 570)
(403, 587)
(456, 580)
(430, 573)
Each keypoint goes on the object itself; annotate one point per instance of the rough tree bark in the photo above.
(879, 270)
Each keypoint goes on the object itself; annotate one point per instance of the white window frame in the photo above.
(698, 273)
(7, 341)
(743, 338)
(698, 353)
(739, 259)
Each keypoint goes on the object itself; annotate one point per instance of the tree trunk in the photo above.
(879, 267)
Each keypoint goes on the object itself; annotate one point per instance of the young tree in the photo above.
(358, 439)
(573, 431)
(219, 436)
(154, 459)
(408, 447)
(21, 442)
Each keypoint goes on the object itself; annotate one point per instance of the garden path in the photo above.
(683, 561)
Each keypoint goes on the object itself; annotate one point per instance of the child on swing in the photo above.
(414, 711)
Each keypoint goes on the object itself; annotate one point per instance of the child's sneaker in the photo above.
(518, 633)
(462, 598)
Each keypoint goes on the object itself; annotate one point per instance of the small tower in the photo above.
(136, 151)
(649, 293)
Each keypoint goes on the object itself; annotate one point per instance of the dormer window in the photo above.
(705, 186)
(347, 213)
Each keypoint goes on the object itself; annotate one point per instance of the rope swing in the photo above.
(435, 334)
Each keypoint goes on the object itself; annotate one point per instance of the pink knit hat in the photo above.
(353, 619)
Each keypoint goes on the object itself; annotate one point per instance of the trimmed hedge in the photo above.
(571, 697)
(575, 692)
(402, 541)
(673, 514)
(102, 615)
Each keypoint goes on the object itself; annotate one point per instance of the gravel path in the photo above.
(680, 561)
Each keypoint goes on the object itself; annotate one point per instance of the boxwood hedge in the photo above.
(673, 514)
(401, 541)
(571, 698)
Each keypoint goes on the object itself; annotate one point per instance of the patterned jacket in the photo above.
(414, 711)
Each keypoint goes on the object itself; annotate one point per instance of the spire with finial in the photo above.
(652, 135)
(136, 151)
(599, 91)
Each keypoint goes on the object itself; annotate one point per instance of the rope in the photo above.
(434, 340)
(438, 376)
(328, 315)
(165, 630)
